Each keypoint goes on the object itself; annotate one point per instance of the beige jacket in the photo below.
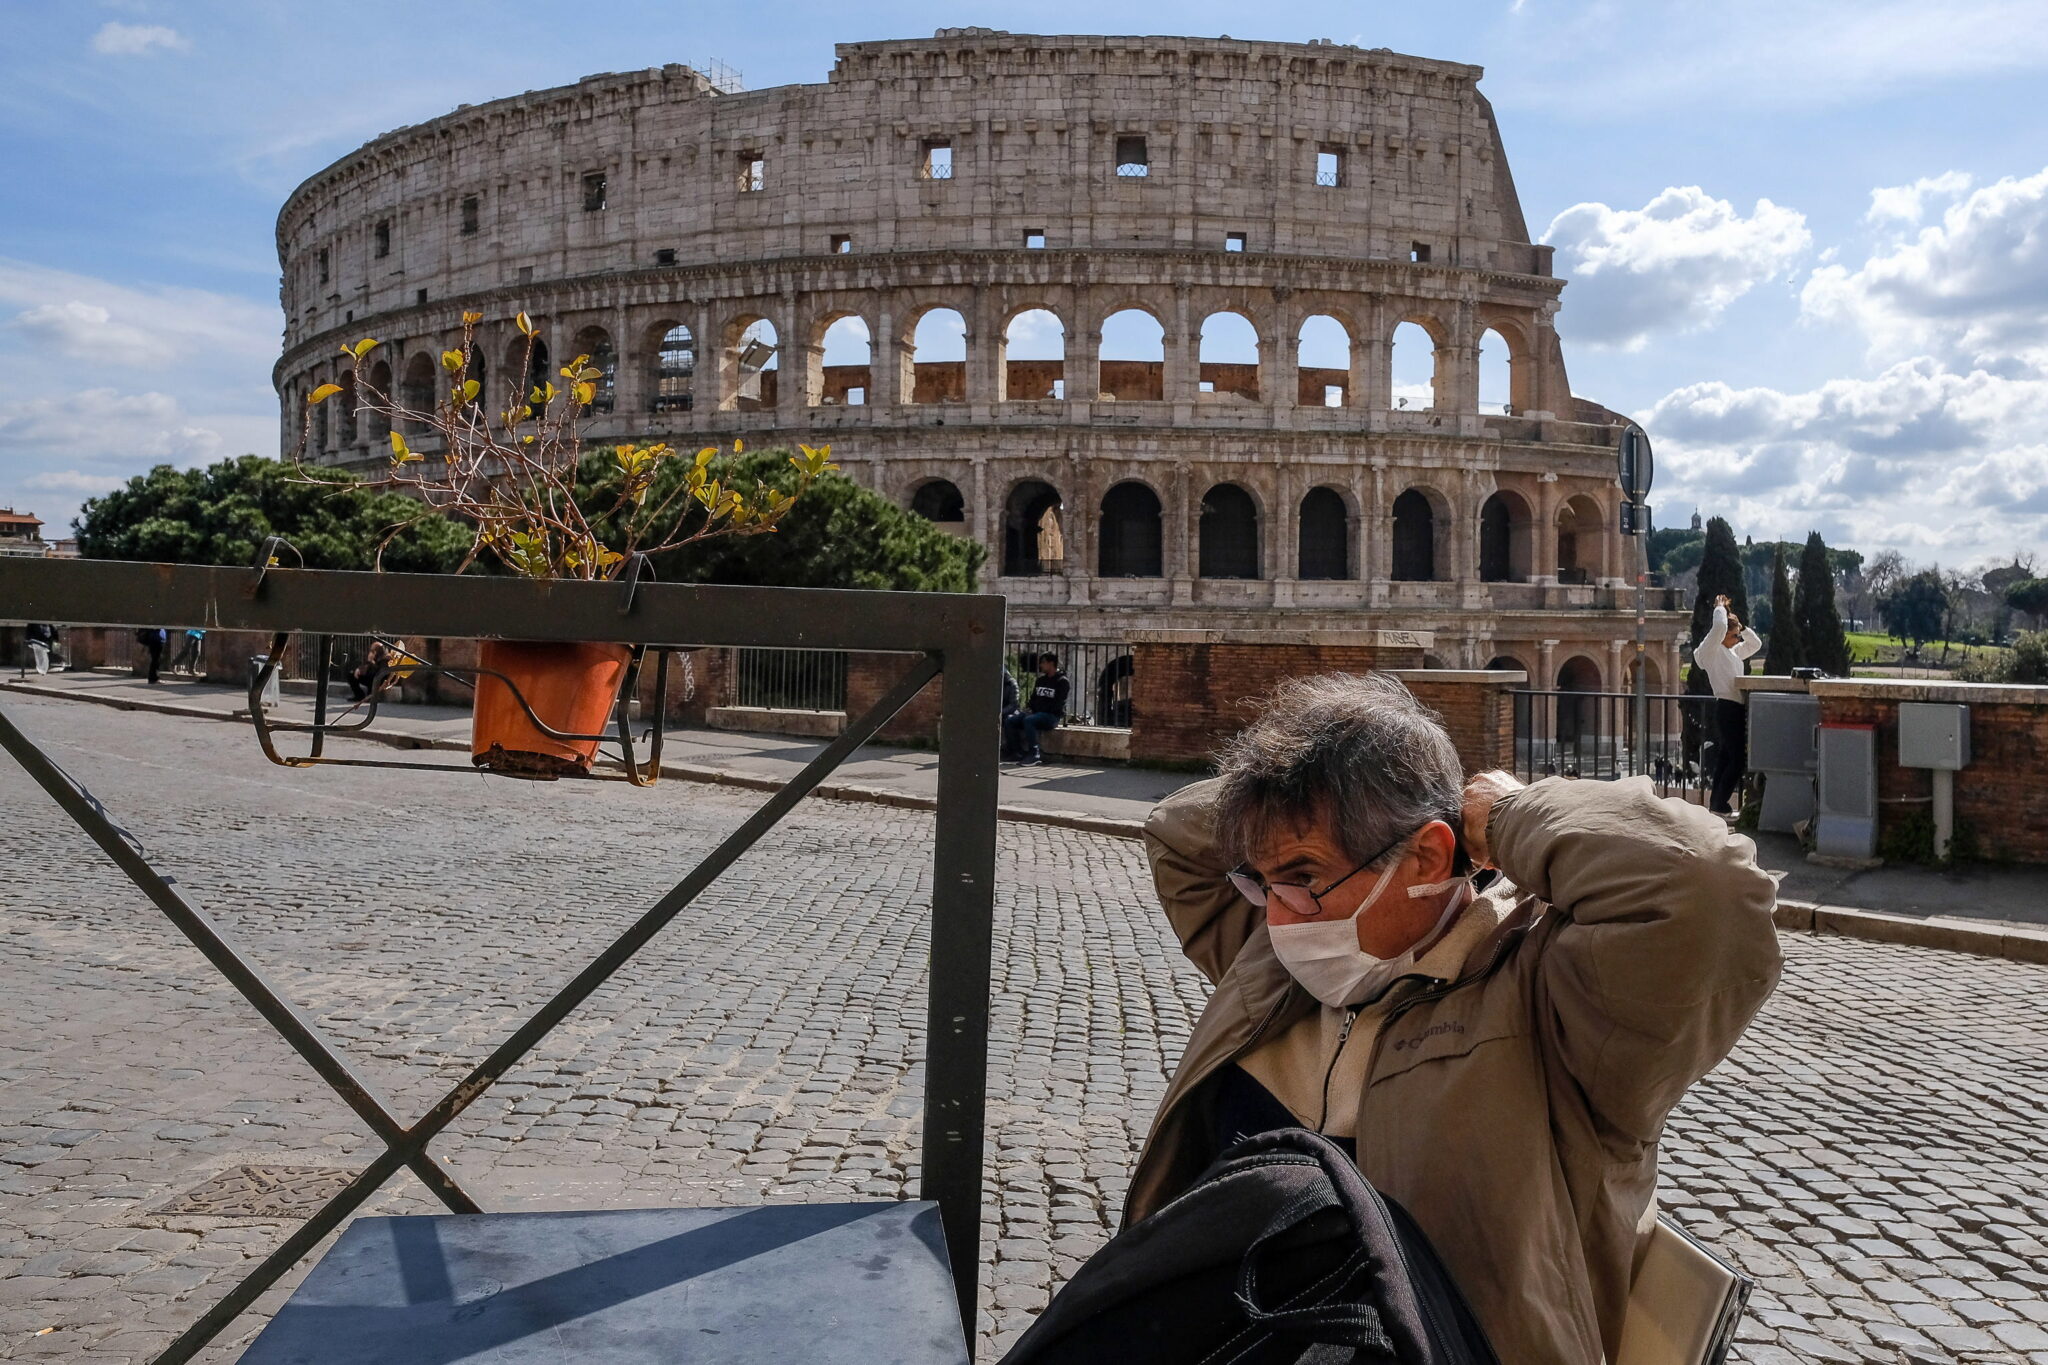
(1515, 1111)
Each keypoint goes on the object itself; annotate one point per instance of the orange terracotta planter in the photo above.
(570, 688)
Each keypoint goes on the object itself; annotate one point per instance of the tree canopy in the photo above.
(222, 514)
(838, 535)
(1786, 646)
(1917, 608)
(1821, 639)
(1720, 573)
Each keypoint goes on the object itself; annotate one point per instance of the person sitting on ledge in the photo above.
(1499, 1061)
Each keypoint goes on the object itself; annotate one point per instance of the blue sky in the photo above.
(1808, 242)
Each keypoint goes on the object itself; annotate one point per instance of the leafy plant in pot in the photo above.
(512, 474)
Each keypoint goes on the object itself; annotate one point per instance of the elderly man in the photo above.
(1500, 1062)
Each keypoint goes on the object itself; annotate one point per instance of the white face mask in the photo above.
(1324, 956)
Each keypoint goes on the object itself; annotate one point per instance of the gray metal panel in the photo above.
(1934, 735)
(836, 1284)
(1781, 731)
(1846, 826)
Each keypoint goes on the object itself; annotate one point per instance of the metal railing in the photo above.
(1101, 674)
(790, 679)
(1593, 735)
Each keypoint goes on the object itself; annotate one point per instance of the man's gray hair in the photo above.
(1356, 750)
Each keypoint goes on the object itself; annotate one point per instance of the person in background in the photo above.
(1010, 708)
(189, 651)
(153, 639)
(42, 643)
(1042, 711)
(1724, 654)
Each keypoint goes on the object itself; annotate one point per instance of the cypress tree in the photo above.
(1820, 623)
(1787, 646)
(1720, 572)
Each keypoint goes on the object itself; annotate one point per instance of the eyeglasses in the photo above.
(1298, 899)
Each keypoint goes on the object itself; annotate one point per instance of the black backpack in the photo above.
(1280, 1254)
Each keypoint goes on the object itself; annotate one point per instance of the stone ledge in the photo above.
(1508, 676)
(1356, 639)
(1982, 938)
(1927, 689)
(775, 720)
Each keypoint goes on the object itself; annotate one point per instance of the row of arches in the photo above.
(1225, 359)
(1131, 533)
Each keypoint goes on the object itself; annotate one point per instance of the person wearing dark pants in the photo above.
(153, 639)
(1724, 655)
(1042, 710)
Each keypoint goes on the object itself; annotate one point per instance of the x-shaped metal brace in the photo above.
(406, 1147)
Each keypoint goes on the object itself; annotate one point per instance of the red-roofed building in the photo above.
(21, 533)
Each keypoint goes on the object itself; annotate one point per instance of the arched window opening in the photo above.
(1323, 361)
(417, 394)
(1414, 538)
(1229, 358)
(1132, 363)
(1229, 532)
(1578, 729)
(479, 371)
(1580, 540)
(1325, 550)
(347, 399)
(1131, 542)
(755, 363)
(1508, 661)
(1032, 540)
(939, 501)
(1035, 356)
(596, 343)
(675, 371)
(1496, 374)
(1505, 527)
(938, 358)
(848, 372)
(1414, 368)
(380, 395)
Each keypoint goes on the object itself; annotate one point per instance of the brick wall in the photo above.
(869, 676)
(2002, 796)
(1478, 709)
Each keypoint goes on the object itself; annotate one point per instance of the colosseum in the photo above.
(1190, 333)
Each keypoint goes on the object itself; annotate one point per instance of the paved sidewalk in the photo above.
(1108, 799)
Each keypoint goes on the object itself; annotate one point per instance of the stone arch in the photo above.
(1422, 521)
(1032, 355)
(750, 364)
(1322, 359)
(1228, 357)
(935, 357)
(940, 501)
(674, 376)
(1415, 363)
(1579, 673)
(1131, 533)
(417, 393)
(478, 370)
(1324, 543)
(528, 357)
(1131, 362)
(1581, 540)
(346, 400)
(841, 361)
(1506, 538)
(1496, 374)
(1654, 673)
(378, 402)
(1113, 690)
(1033, 539)
(1228, 531)
(596, 342)
(1578, 716)
(1509, 661)
(1514, 360)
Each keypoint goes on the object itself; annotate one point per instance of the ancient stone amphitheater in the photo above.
(1193, 334)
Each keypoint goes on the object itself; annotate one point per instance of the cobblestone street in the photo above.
(1873, 1154)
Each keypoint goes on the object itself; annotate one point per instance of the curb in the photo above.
(2012, 943)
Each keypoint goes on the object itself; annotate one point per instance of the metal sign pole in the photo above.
(1635, 471)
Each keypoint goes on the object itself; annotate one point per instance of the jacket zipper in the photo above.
(1343, 1034)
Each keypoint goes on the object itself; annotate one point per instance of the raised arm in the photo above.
(1667, 949)
(1209, 917)
(1749, 644)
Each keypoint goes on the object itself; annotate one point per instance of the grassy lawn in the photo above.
(1865, 648)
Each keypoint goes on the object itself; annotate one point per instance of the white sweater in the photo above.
(1723, 664)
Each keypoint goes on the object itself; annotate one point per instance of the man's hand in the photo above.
(1480, 794)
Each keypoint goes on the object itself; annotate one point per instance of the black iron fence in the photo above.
(1100, 672)
(790, 679)
(1595, 735)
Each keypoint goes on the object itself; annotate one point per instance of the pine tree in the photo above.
(1720, 573)
(1787, 649)
(1820, 623)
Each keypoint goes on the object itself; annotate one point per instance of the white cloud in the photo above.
(86, 331)
(1673, 265)
(91, 319)
(1932, 461)
(1976, 282)
(84, 483)
(116, 39)
(1906, 203)
(105, 425)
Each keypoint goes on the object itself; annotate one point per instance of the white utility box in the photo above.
(1934, 735)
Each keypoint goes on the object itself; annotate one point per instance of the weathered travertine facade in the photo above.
(655, 222)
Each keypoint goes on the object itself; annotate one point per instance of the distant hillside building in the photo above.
(21, 533)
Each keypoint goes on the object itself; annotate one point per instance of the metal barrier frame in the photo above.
(960, 637)
(1682, 725)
